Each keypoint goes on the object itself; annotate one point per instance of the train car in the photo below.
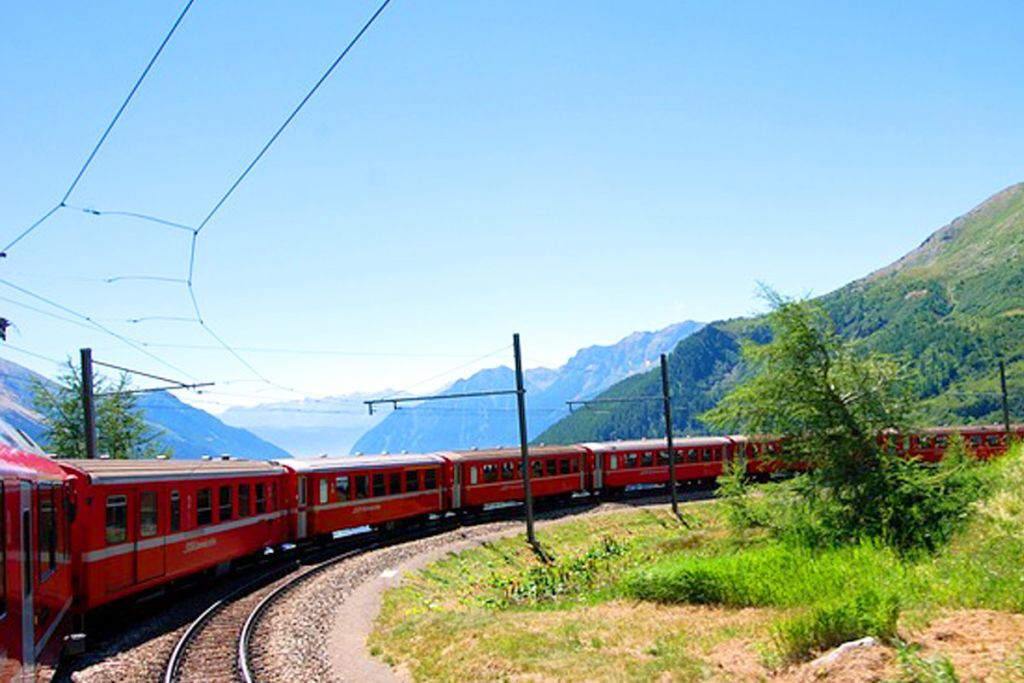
(141, 524)
(331, 494)
(761, 453)
(35, 572)
(482, 477)
(984, 441)
(618, 464)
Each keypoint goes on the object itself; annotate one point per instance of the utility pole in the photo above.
(88, 404)
(523, 441)
(666, 399)
(1006, 404)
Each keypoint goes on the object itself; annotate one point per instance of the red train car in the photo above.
(331, 494)
(618, 464)
(985, 441)
(496, 476)
(35, 572)
(143, 523)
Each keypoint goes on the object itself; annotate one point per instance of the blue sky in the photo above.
(572, 171)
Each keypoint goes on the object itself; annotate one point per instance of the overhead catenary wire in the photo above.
(110, 126)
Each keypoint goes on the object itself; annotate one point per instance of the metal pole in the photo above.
(1006, 404)
(88, 404)
(666, 398)
(523, 439)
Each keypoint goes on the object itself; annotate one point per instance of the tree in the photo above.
(830, 402)
(121, 428)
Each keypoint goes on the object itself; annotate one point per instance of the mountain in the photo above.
(191, 432)
(310, 426)
(491, 421)
(952, 308)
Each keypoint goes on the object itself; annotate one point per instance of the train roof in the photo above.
(649, 444)
(512, 452)
(358, 462)
(968, 428)
(103, 471)
(18, 463)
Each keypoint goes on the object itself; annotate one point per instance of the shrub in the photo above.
(869, 613)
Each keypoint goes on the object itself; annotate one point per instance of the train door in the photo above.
(149, 542)
(27, 580)
(302, 507)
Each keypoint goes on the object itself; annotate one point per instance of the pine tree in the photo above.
(121, 428)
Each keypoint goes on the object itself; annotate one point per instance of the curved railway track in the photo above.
(218, 645)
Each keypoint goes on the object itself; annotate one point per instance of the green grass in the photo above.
(656, 598)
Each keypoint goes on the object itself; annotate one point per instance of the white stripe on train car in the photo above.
(157, 541)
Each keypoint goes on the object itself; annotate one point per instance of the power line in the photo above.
(132, 214)
(128, 99)
(98, 326)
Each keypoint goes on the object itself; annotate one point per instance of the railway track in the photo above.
(219, 644)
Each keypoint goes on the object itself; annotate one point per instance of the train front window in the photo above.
(117, 519)
(225, 508)
(204, 507)
(147, 514)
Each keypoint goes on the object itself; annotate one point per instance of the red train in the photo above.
(78, 534)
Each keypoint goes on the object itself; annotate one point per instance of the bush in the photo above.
(869, 613)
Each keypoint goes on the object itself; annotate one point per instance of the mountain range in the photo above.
(952, 309)
(491, 421)
(190, 432)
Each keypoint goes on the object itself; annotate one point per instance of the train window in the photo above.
(924, 441)
(941, 440)
(261, 503)
(147, 514)
(430, 480)
(26, 559)
(224, 508)
(175, 511)
(490, 472)
(204, 507)
(341, 487)
(3, 551)
(472, 476)
(631, 459)
(395, 483)
(691, 455)
(378, 485)
(773, 448)
(412, 480)
(362, 489)
(663, 458)
(993, 440)
(271, 496)
(302, 490)
(325, 490)
(117, 518)
(976, 440)
(647, 459)
(613, 462)
(537, 468)
(564, 466)
(47, 545)
(243, 500)
(508, 471)
(552, 466)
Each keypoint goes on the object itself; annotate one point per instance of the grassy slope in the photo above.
(674, 601)
(951, 307)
